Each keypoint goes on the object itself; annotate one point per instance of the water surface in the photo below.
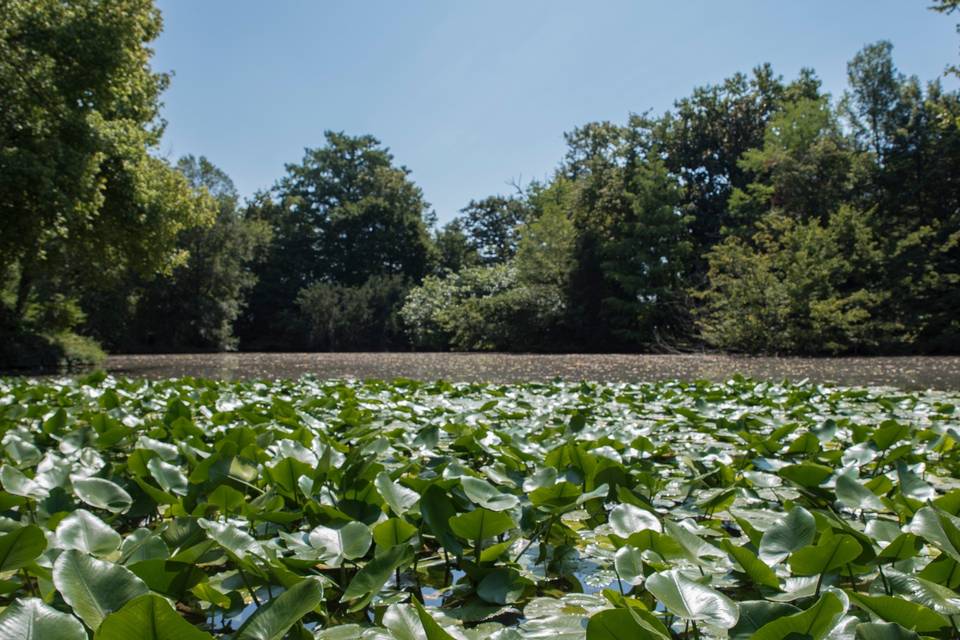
(911, 372)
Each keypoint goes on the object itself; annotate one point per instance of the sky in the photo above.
(473, 96)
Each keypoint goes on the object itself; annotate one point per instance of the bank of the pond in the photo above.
(912, 372)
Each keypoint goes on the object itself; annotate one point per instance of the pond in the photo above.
(913, 372)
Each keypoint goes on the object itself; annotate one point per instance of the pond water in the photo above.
(942, 372)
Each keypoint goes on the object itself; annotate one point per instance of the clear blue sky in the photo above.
(473, 94)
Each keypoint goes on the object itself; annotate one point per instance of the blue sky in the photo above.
(473, 95)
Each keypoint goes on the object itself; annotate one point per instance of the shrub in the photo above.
(337, 317)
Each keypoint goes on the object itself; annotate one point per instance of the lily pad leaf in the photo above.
(754, 568)
(911, 615)
(628, 563)
(32, 619)
(626, 519)
(20, 547)
(86, 532)
(754, 614)
(398, 498)
(102, 494)
(486, 495)
(938, 528)
(618, 624)
(830, 553)
(391, 532)
(170, 478)
(481, 524)
(854, 495)
(271, 621)
(884, 631)
(94, 588)
(692, 600)
(431, 627)
(232, 538)
(369, 580)
(815, 623)
(795, 531)
(349, 542)
(148, 617)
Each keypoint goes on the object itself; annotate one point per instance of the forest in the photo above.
(759, 214)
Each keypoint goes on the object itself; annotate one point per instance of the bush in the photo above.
(483, 309)
(795, 288)
(338, 317)
(22, 350)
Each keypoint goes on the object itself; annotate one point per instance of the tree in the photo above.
(795, 287)
(342, 216)
(705, 135)
(873, 103)
(208, 292)
(491, 226)
(81, 197)
(948, 7)
(455, 250)
(805, 167)
(647, 259)
(340, 317)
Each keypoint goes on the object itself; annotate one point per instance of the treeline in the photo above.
(757, 215)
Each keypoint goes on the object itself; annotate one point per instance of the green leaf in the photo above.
(628, 563)
(437, 509)
(433, 630)
(86, 532)
(486, 495)
(560, 494)
(938, 528)
(854, 495)
(618, 624)
(934, 596)
(371, 578)
(830, 553)
(349, 542)
(271, 621)
(794, 532)
(171, 578)
(494, 551)
(481, 524)
(502, 586)
(170, 478)
(883, 631)
(403, 622)
(232, 538)
(754, 614)
(392, 532)
(905, 545)
(32, 619)
(148, 617)
(806, 474)
(911, 615)
(815, 623)
(626, 519)
(398, 498)
(691, 600)
(20, 547)
(14, 481)
(754, 568)
(102, 494)
(94, 588)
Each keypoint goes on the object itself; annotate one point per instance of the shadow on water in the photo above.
(909, 372)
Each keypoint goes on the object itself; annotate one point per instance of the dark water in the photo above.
(904, 372)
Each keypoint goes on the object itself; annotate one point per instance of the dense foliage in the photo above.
(669, 511)
(757, 215)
